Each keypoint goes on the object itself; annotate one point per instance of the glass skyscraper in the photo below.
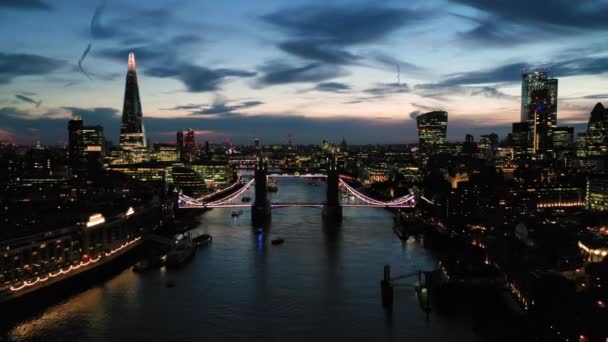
(132, 133)
(432, 128)
(539, 109)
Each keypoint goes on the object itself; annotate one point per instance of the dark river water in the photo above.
(321, 284)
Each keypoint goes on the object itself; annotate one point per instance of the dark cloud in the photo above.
(474, 81)
(424, 107)
(84, 55)
(18, 64)
(488, 92)
(382, 89)
(517, 21)
(334, 87)
(414, 114)
(348, 25)
(323, 33)
(318, 51)
(190, 106)
(129, 25)
(221, 106)
(197, 78)
(28, 99)
(392, 63)
(281, 73)
(24, 5)
(94, 113)
(596, 96)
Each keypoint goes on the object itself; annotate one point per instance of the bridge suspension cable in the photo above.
(233, 196)
(396, 202)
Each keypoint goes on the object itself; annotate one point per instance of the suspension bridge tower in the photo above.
(260, 210)
(332, 210)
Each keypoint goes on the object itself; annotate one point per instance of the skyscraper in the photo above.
(595, 142)
(76, 157)
(432, 128)
(132, 133)
(86, 145)
(539, 109)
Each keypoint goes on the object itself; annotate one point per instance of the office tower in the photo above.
(76, 159)
(488, 145)
(432, 128)
(132, 133)
(562, 138)
(597, 132)
(539, 110)
(86, 146)
(519, 135)
(188, 149)
(93, 138)
(189, 141)
(179, 143)
(256, 143)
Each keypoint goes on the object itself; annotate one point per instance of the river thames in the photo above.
(321, 284)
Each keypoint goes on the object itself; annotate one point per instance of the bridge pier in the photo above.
(260, 210)
(332, 210)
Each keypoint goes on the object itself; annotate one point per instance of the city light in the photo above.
(95, 219)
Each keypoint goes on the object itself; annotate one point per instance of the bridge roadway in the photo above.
(292, 205)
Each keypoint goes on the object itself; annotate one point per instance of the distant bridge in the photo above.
(261, 207)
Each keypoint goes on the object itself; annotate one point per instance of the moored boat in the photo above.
(202, 239)
(182, 251)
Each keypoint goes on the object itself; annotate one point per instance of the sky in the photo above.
(238, 70)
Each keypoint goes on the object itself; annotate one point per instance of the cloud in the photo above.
(334, 87)
(24, 5)
(282, 73)
(414, 114)
(220, 106)
(596, 97)
(13, 65)
(519, 21)
(197, 78)
(161, 60)
(382, 89)
(28, 99)
(323, 34)
(392, 63)
(84, 55)
(190, 106)
(348, 25)
(318, 51)
(129, 25)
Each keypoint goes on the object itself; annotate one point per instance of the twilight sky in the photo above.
(317, 68)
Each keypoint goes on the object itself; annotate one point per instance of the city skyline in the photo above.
(366, 80)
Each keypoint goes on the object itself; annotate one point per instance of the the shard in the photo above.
(132, 133)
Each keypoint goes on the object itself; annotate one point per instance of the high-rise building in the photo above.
(179, 140)
(188, 149)
(519, 136)
(132, 133)
(432, 129)
(597, 132)
(562, 138)
(86, 146)
(488, 145)
(256, 143)
(93, 139)
(539, 110)
(76, 159)
(189, 141)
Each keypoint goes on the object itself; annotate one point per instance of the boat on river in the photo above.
(182, 251)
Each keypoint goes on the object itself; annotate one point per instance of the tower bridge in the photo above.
(262, 207)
